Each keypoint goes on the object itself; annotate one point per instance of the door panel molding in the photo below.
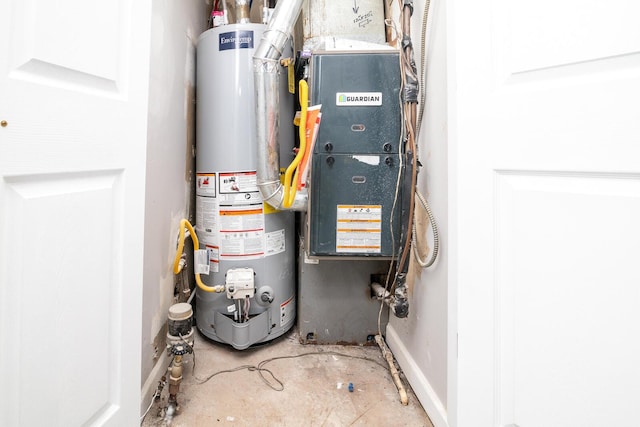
(63, 231)
(48, 74)
(553, 256)
(72, 44)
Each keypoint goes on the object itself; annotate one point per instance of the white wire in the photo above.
(247, 305)
(401, 151)
(153, 399)
(191, 297)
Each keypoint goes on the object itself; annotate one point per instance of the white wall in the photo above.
(420, 341)
(176, 26)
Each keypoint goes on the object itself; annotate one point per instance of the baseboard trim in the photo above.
(419, 383)
(151, 384)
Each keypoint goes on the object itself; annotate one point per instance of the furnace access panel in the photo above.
(355, 209)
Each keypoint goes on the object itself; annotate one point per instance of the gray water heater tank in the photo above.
(250, 245)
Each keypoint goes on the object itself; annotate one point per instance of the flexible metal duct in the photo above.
(265, 68)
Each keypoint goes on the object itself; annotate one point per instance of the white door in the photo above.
(545, 194)
(73, 103)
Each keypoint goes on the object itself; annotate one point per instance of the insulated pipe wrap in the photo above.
(271, 45)
(266, 69)
(267, 99)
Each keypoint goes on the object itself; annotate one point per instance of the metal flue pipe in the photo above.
(265, 72)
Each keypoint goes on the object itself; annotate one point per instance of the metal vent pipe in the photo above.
(265, 68)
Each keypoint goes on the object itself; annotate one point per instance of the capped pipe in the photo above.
(380, 292)
(242, 11)
(266, 63)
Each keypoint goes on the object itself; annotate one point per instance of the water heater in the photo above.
(250, 245)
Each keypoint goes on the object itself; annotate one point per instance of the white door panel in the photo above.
(563, 318)
(64, 237)
(549, 33)
(76, 43)
(546, 191)
(73, 79)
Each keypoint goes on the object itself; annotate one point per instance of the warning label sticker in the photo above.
(206, 184)
(230, 216)
(201, 261)
(234, 182)
(214, 258)
(241, 232)
(206, 207)
(239, 188)
(207, 218)
(274, 242)
(358, 229)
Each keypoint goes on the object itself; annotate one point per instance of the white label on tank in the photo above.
(238, 182)
(214, 258)
(274, 242)
(230, 216)
(241, 232)
(358, 229)
(287, 311)
(240, 198)
(206, 184)
(207, 218)
(206, 207)
(201, 261)
(238, 188)
(231, 308)
(358, 99)
(240, 216)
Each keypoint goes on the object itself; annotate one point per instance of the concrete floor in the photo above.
(314, 387)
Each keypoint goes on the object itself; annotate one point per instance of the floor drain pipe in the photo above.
(386, 353)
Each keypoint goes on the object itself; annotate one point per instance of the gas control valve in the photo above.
(240, 283)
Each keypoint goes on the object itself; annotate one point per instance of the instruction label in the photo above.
(214, 258)
(201, 261)
(238, 182)
(240, 216)
(241, 232)
(274, 242)
(207, 218)
(358, 228)
(207, 208)
(206, 184)
(230, 216)
(239, 188)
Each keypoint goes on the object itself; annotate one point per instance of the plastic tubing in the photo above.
(196, 245)
(290, 190)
